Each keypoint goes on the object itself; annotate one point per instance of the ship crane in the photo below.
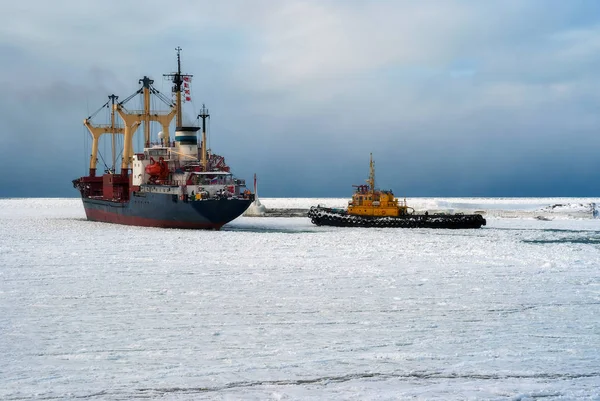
(133, 119)
(97, 130)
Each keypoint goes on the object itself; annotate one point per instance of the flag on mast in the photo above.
(187, 89)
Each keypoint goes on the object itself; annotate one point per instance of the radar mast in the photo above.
(178, 78)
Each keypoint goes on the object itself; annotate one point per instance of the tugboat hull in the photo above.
(323, 216)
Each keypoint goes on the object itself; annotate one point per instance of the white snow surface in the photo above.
(277, 308)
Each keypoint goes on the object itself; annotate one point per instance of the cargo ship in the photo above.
(370, 207)
(170, 183)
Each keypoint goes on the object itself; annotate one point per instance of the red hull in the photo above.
(107, 217)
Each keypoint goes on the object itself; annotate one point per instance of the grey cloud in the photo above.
(499, 94)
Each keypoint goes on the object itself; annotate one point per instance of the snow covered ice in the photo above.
(277, 308)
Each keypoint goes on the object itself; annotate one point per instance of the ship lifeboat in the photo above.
(157, 169)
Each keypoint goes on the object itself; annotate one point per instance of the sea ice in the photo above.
(277, 308)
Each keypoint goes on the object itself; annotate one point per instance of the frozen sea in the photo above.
(276, 308)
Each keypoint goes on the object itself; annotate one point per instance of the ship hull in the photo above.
(322, 216)
(166, 211)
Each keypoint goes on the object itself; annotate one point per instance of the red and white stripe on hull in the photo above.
(107, 217)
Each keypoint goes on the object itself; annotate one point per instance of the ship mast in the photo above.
(177, 78)
(112, 98)
(146, 82)
(371, 179)
(204, 115)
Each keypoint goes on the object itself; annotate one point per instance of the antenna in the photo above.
(178, 49)
(177, 78)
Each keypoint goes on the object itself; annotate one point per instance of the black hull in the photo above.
(166, 211)
(322, 216)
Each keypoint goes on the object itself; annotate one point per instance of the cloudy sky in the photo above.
(453, 97)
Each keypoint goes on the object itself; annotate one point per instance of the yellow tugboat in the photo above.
(371, 207)
(368, 201)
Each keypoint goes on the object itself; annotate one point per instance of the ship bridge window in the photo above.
(215, 179)
(157, 152)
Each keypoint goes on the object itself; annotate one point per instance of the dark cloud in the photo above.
(454, 98)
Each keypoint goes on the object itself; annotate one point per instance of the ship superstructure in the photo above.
(173, 182)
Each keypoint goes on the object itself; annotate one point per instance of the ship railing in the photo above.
(105, 126)
(178, 183)
(154, 112)
(205, 195)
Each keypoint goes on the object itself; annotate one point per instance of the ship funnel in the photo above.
(186, 135)
(187, 143)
